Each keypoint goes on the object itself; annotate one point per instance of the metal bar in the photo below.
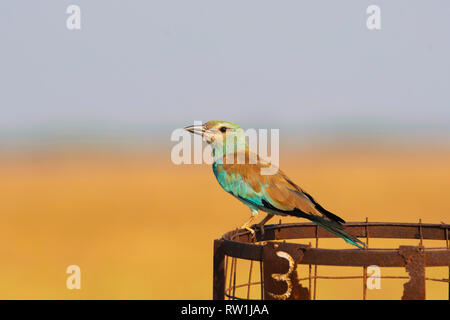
(249, 279)
(343, 257)
(377, 230)
(367, 232)
(261, 274)
(226, 268)
(446, 239)
(420, 232)
(365, 266)
(243, 250)
(234, 278)
(381, 277)
(358, 257)
(414, 258)
(315, 265)
(364, 283)
(219, 275)
(310, 281)
(231, 273)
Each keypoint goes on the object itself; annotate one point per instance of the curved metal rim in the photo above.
(237, 243)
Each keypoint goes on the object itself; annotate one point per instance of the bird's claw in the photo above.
(258, 226)
(252, 232)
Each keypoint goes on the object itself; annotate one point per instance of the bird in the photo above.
(238, 171)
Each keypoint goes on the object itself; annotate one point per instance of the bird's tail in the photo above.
(339, 230)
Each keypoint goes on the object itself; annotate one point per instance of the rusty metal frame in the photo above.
(238, 244)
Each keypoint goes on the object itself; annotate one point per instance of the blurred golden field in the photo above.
(141, 227)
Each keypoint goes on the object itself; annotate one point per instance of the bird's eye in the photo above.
(223, 129)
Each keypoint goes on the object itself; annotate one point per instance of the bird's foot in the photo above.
(258, 227)
(252, 232)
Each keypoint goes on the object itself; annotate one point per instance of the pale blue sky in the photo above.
(142, 68)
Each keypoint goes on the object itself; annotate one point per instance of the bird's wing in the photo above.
(275, 192)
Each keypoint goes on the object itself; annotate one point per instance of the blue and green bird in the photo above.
(274, 193)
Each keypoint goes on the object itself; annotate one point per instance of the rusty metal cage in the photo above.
(276, 261)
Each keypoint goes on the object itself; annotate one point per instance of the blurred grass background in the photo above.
(141, 227)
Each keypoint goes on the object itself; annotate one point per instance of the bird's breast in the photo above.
(236, 185)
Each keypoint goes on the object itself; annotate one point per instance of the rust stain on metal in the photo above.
(414, 257)
(280, 272)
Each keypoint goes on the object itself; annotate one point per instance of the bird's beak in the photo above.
(196, 129)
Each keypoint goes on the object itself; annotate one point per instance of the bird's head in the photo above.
(219, 133)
